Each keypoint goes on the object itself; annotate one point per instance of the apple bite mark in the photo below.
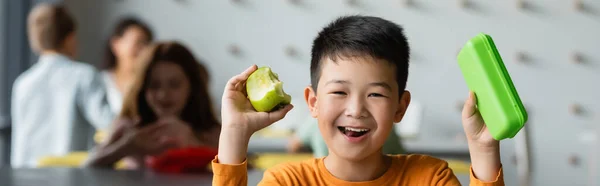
(265, 91)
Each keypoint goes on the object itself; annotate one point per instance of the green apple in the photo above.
(265, 91)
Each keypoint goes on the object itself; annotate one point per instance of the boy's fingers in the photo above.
(279, 114)
(469, 107)
(249, 71)
(233, 83)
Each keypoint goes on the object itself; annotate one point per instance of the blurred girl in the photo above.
(168, 107)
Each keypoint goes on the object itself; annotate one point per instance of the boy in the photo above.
(55, 101)
(359, 69)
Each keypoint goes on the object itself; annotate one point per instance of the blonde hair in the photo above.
(48, 25)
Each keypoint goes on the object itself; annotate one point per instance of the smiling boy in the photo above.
(359, 70)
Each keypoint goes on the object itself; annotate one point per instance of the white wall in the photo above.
(547, 32)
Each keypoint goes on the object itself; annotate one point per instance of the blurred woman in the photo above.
(123, 46)
(168, 107)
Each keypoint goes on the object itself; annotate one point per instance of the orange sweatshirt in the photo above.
(405, 170)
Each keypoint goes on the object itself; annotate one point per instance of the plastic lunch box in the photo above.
(497, 99)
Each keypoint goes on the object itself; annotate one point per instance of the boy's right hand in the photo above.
(236, 111)
(240, 120)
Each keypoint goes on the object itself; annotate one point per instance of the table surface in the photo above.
(105, 177)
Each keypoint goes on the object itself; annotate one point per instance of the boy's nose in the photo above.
(355, 108)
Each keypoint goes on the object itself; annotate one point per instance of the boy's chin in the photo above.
(355, 154)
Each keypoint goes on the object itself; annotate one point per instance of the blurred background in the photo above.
(550, 48)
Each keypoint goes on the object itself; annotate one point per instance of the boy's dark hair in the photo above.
(48, 25)
(351, 36)
(110, 60)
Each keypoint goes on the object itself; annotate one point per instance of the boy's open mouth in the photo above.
(353, 132)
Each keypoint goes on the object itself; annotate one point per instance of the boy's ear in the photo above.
(403, 103)
(311, 100)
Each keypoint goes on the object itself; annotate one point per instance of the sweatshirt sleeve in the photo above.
(499, 181)
(229, 175)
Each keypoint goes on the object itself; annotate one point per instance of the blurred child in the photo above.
(359, 69)
(128, 38)
(56, 101)
(168, 107)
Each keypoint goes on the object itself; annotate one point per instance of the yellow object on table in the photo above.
(274, 133)
(74, 159)
(268, 160)
(99, 136)
(459, 167)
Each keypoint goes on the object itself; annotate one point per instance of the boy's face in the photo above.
(356, 105)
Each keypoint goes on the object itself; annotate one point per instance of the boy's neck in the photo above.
(370, 168)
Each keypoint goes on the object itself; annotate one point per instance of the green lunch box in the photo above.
(497, 99)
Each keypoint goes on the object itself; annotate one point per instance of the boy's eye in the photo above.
(376, 95)
(338, 93)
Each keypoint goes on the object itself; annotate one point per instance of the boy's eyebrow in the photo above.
(376, 84)
(382, 84)
(337, 81)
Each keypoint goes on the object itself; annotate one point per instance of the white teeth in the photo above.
(355, 129)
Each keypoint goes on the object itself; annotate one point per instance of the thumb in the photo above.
(279, 114)
(469, 107)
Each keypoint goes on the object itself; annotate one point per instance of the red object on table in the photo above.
(183, 160)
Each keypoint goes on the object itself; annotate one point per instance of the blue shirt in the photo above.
(54, 105)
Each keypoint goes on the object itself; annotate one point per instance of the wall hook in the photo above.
(513, 159)
(574, 160)
(521, 57)
(296, 2)
(353, 2)
(576, 57)
(291, 51)
(576, 109)
(459, 105)
(235, 50)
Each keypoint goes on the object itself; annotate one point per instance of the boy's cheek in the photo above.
(327, 106)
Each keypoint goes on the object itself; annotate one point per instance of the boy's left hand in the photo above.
(483, 149)
(474, 126)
